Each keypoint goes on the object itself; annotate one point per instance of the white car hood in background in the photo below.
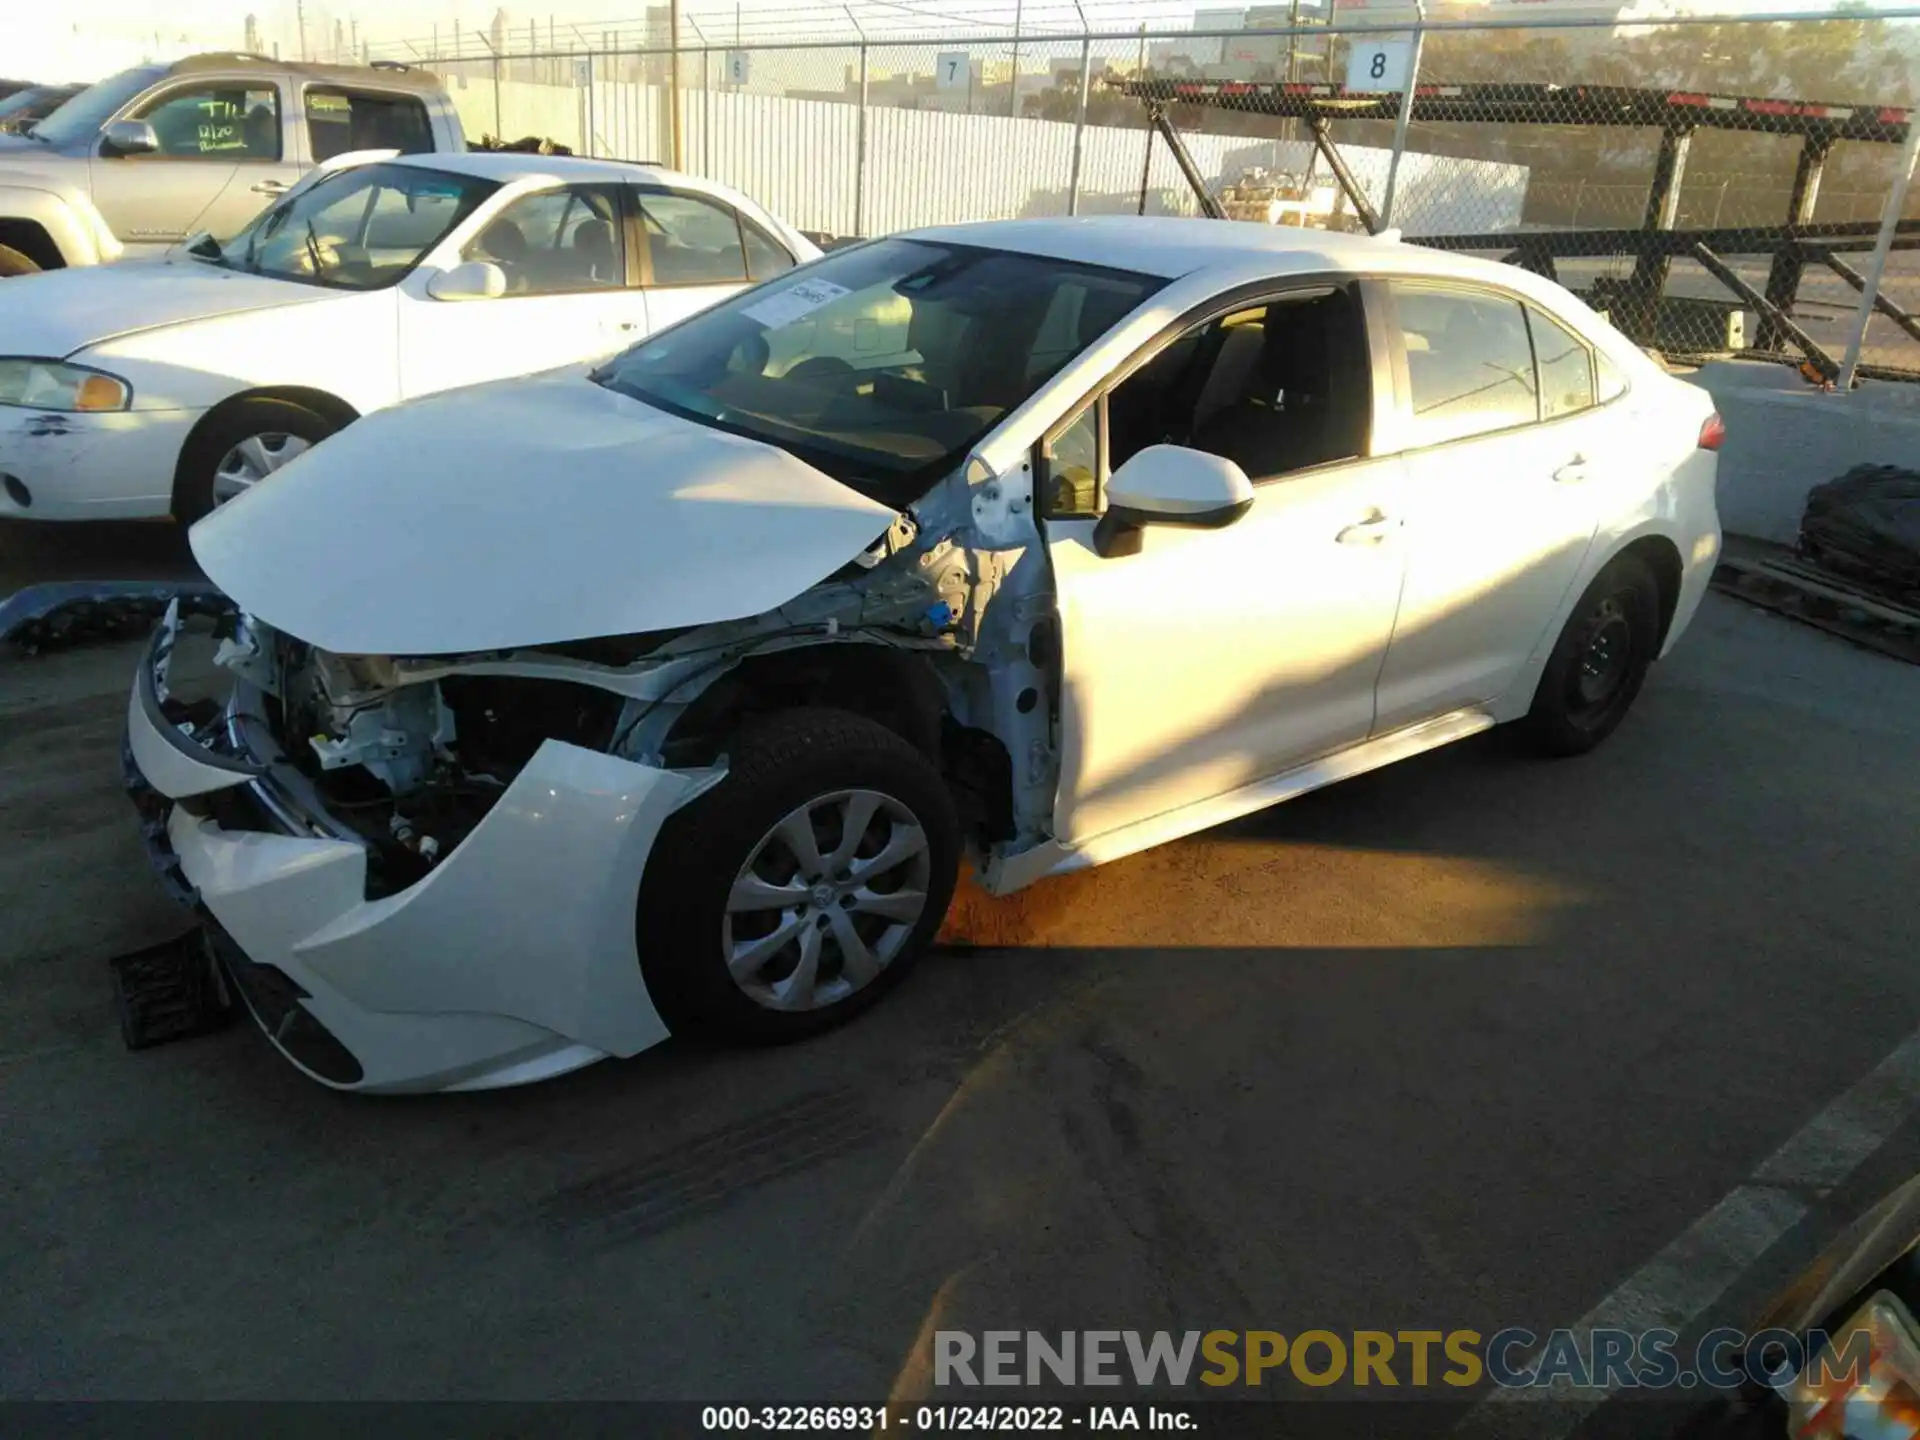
(527, 512)
(60, 311)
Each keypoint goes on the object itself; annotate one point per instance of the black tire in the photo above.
(1599, 662)
(12, 262)
(193, 486)
(778, 764)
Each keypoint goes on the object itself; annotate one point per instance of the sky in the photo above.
(84, 42)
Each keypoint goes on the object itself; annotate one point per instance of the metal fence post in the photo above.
(860, 153)
(1405, 116)
(679, 147)
(1876, 268)
(1080, 123)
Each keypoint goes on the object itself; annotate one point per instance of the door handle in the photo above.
(625, 326)
(1571, 472)
(1370, 531)
(269, 187)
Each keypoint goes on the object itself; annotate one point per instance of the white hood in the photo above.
(60, 311)
(527, 512)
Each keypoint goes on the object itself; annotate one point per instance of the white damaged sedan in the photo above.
(560, 714)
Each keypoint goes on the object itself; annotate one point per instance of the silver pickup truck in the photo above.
(145, 158)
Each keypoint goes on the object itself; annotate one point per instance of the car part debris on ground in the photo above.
(78, 612)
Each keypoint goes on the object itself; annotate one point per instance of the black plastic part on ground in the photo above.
(170, 991)
(74, 612)
(1866, 525)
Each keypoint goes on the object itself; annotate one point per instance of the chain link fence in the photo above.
(1722, 187)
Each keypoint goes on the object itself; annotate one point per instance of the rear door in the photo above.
(1499, 509)
(698, 250)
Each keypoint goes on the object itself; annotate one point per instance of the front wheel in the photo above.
(1600, 661)
(244, 447)
(801, 888)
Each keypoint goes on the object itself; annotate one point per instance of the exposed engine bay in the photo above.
(948, 640)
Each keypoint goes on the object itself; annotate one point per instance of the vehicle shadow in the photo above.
(36, 552)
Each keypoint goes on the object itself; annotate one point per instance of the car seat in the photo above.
(592, 243)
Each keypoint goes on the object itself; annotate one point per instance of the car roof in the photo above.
(387, 75)
(506, 165)
(1173, 246)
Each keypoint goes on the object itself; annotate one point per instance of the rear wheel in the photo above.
(804, 886)
(1599, 662)
(251, 442)
(12, 262)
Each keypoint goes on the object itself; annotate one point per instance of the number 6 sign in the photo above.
(952, 70)
(1378, 65)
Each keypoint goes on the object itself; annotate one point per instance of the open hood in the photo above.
(62, 311)
(527, 512)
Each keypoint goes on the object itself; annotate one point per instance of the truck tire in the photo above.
(12, 262)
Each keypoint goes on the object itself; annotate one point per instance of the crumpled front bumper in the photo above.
(513, 960)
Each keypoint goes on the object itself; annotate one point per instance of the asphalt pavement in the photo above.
(1462, 1043)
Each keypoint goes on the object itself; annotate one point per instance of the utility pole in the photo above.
(300, 19)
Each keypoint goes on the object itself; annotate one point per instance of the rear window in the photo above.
(339, 121)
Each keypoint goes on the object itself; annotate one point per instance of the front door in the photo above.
(568, 295)
(223, 157)
(1500, 505)
(1214, 658)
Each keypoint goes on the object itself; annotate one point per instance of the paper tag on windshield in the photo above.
(793, 302)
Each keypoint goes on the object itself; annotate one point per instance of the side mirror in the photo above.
(1170, 485)
(469, 280)
(201, 243)
(131, 137)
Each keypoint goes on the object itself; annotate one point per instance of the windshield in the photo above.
(884, 364)
(94, 106)
(358, 230)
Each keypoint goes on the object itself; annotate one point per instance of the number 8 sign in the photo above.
(1378, 65)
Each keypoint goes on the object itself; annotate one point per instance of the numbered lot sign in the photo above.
(737, 68)
(1378, 65)
(952, 70)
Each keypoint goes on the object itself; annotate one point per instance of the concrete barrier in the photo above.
(1784, 437)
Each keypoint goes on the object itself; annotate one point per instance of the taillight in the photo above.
(1712, 432)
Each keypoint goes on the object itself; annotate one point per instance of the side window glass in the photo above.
(1613, 381)
(692, 241)
(217, 122)
(766, 257)
(1275, 388)
(342, 120)
(1469, 361)
(1072, 459)
(1565, 364)
(555, 242)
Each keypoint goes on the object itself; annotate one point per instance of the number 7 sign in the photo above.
(1378, 65)
(952, 70)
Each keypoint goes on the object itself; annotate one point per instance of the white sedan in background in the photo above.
(149, 389)
(669, 697)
